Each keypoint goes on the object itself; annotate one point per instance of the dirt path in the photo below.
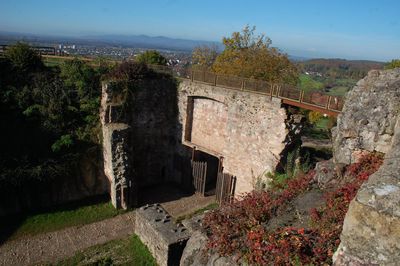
(187, 205)
(50, 247)
(174, 200)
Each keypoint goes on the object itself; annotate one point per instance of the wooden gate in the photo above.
(199, 173)
(225, 190)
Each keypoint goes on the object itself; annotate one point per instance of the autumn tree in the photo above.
(203, 57)
(249, 55)
(152, 57)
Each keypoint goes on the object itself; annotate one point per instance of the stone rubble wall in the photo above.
(146, 141)
(371, 122)
(140, 136)
(247, 129)
(116, 150)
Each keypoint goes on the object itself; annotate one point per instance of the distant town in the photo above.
(177, 52)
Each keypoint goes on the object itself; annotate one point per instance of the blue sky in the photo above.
(355, 29)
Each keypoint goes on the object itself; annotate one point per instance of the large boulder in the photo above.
(371, 229)
(194, 252)
(368, 117)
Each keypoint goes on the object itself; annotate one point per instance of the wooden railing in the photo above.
(314, 100)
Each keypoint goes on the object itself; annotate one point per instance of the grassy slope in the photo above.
(127, 251)
(59, 219)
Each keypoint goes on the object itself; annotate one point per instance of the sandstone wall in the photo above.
(248, 130)
(148, 141)
(371, 121)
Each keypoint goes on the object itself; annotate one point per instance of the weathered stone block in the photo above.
(165, 239)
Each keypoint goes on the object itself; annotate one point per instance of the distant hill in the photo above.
(135, 41)
(144, 41)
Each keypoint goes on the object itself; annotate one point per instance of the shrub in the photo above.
(238, 229)
(314, 117)
(229, 227)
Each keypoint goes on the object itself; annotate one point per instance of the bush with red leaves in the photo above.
(238, 229)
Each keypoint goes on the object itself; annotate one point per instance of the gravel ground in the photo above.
(50, 247)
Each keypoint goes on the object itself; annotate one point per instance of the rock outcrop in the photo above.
(371, 122)
(368, 117)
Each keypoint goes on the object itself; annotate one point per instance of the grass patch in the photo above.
(211, 206)
(322, 123)
(57, 219)
(127, 251)
(339, 91)
(307, 83)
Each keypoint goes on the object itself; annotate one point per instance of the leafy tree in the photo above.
(395, 63)
(23, 57)
(80, 76)
(203, 57)
(152, 57)
(252, 56)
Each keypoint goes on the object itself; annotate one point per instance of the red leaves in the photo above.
(237, 228)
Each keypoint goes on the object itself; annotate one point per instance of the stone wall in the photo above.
(371, 122)
(149, 140)
(247, 129)
(140, 135)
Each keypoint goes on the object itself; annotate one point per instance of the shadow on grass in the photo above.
(54, 218)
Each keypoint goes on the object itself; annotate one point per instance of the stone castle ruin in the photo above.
(167, 127)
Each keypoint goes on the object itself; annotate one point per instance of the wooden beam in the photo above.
(311, 107)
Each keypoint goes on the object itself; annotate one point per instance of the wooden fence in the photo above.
(199, 173)
(225, 189)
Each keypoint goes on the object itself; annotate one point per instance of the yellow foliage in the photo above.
(251, 56)
(203, 57)
(314, 117)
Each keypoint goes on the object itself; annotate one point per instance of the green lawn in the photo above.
(58, 219)
(127, 251)
(307, 83)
